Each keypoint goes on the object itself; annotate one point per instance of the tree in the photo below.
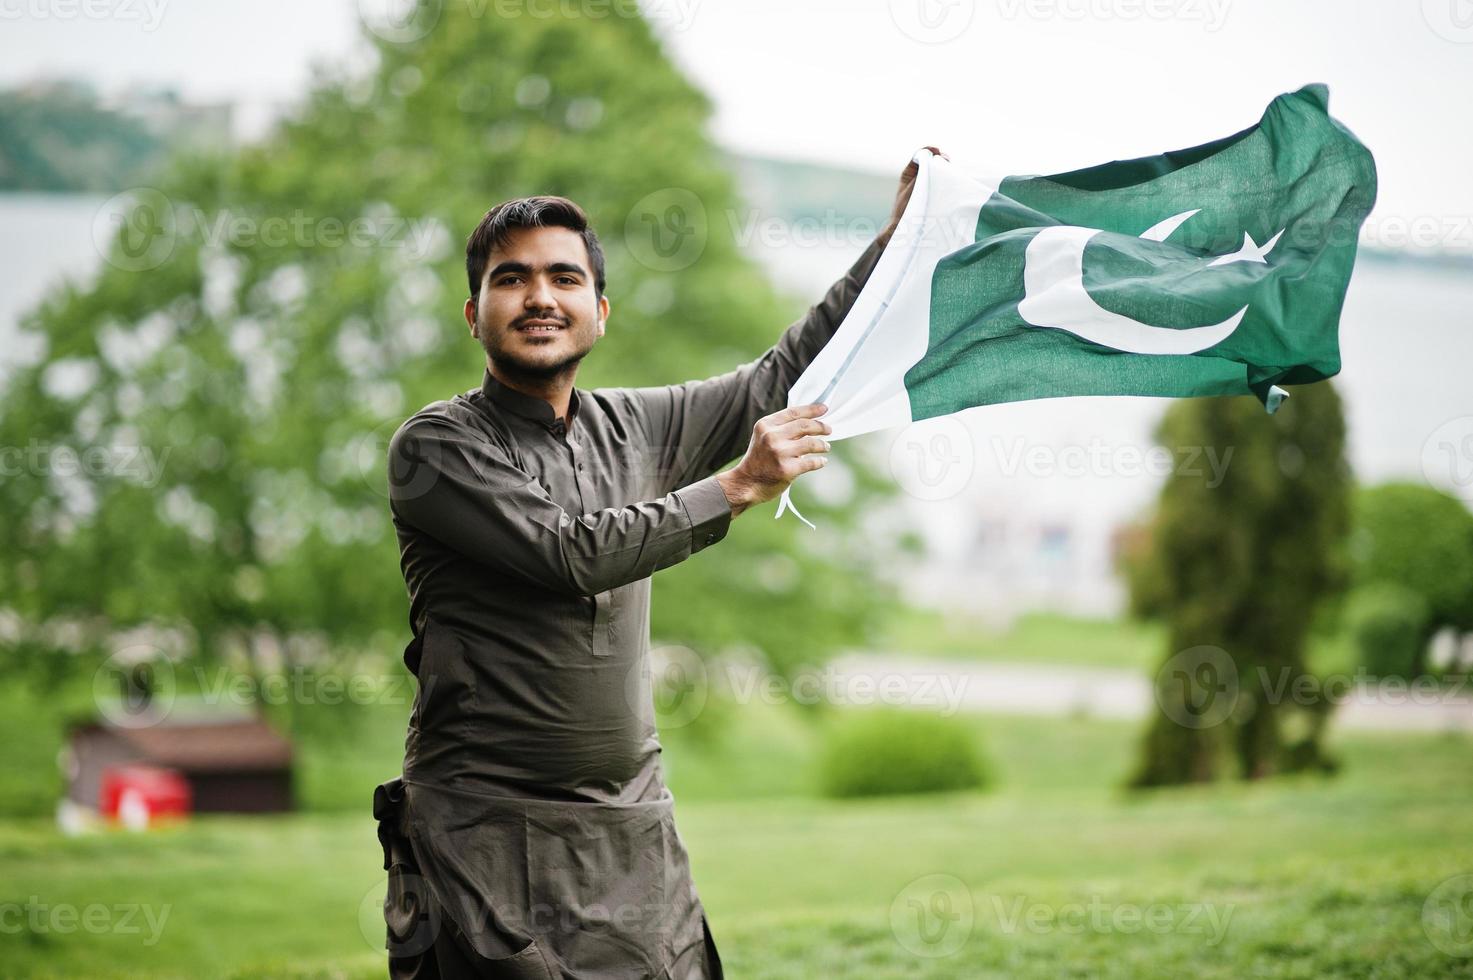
(268, 317)
(1240, 569)
(1419, 540)
(58, 137)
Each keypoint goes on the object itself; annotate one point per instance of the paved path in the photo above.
(1106, 692)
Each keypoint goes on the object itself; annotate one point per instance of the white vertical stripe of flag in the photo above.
(860, 373)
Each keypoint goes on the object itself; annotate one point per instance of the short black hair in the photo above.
(541, 211)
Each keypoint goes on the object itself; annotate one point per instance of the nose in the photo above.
(539, 295)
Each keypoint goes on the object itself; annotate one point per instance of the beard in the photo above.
(518, 362)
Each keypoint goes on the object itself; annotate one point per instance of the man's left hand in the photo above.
(902, 195)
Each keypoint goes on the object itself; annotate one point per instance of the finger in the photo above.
(797, 412)
(802, 446)
(791, 438)
(794, 468)
(802, 427)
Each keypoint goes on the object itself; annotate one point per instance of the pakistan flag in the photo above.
(1216, 270)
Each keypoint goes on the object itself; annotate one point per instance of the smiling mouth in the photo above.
(540, 326)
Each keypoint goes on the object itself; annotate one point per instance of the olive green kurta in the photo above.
(535, 802)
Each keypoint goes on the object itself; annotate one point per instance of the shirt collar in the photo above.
(523, 404)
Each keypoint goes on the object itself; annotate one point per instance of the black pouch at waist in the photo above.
(411, 915)
(388, 810)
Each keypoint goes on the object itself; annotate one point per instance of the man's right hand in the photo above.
(784, 446)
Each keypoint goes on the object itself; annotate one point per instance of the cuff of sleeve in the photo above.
(709, 511)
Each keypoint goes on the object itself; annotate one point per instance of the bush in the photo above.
(889, 751)
(1387, 624)
(1420, 539)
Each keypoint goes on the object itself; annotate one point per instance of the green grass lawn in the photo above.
(1298, 878)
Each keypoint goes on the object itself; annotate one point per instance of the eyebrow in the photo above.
(525, 269)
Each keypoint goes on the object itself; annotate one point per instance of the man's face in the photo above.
(539, 312)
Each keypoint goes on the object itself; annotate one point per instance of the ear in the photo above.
(470, 315)
(603, 313)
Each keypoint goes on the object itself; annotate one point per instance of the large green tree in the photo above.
(266, 319)
(1240, 559)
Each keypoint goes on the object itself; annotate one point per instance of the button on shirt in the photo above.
(527, 543)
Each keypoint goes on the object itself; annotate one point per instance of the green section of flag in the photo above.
(1297, 174)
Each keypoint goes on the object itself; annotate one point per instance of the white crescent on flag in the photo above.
(1055, 297)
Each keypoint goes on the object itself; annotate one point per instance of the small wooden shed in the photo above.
(232, 766)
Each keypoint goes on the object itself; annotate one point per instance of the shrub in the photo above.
(1387, 623)
(888, 751)
(1420, 539)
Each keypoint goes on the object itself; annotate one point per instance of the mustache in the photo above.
(522, 320)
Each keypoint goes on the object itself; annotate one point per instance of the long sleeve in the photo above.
(452, 484)
(699, 426)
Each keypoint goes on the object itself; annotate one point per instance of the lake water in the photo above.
(43, 237)
(1018, 502)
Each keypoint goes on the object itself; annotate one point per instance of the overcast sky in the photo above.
(1016, 86)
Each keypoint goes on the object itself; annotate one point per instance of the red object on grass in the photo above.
(139, 796)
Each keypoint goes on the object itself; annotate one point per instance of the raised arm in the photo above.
(448, 483)
(699, 426)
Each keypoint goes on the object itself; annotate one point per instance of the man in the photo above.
(532, 835)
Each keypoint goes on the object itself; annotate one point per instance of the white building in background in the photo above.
(191, 125)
